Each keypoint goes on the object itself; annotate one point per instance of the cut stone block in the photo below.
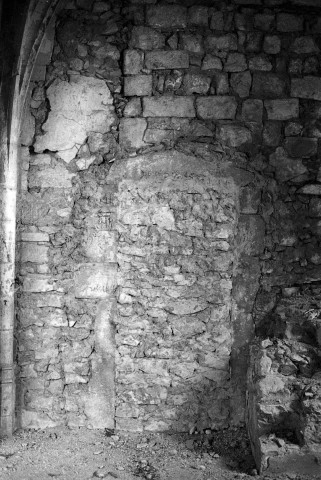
(95, 280)
(77, 107)
(138, 85)
(168, 106)
(34, 237)
(31, 252)
(282, 109)
(217, 21)
(166, 59)
(99, 404)
(131, 132)
(263, 21)
(268, 85)
(286, 22)
(216, 108)
(307, 87)
(304, 45)
(146, 38)
(133, 62)
(167, 16)
(38, 283)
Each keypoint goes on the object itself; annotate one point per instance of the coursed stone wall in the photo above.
(231, 83)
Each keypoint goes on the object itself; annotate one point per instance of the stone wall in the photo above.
(141, 288)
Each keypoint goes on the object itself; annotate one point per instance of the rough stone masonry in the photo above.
(170, 201)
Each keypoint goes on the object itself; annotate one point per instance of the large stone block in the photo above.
(304, 45)
(283, 109)
(32, 252)
(95, 280)
(77, 107)
(34, 237)
(268, 85)
(217, 21)
(286, 22)
(38, 283)
(307, 87)
(166, 59)
(167, 16)
(146, 38)
(251, 234)
(168, 106)
(133, 62)
(138, 85)
(216, 108)
(196, 83)
(131, 132)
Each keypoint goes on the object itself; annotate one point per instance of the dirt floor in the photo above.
(86, 454)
